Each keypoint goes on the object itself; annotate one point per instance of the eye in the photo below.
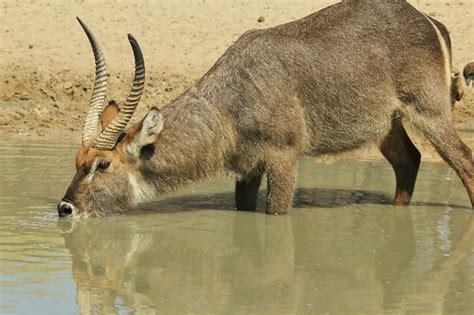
(103, 165)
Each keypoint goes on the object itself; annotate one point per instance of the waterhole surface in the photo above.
(342, 250)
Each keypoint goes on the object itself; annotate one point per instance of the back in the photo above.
(324, 73)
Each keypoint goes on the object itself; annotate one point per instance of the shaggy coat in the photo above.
(331, 82)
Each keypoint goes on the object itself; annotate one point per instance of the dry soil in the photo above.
(47, 67)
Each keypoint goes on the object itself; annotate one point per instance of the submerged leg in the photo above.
(450, 147)
(246, 192)
(433, 116)
(281, 179)
(404, 157)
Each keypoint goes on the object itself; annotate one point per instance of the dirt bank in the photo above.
(47, 67)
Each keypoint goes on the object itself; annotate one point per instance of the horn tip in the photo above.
(131, 37)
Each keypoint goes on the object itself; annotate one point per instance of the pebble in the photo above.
(261, 19)
(67, 85)
(22, 96)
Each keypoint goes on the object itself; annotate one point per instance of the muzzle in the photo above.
(65, 209)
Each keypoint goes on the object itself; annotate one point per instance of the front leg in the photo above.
(246, 192)
(281, 179)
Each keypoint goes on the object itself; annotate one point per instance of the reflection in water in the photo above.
(342, 250)
(334, 261)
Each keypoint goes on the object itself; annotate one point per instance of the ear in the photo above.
(109, 113)
(148, 131)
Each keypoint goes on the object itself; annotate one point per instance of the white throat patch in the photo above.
(141, 191)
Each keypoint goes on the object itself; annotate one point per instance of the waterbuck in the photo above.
(331, 82)
(469, 73)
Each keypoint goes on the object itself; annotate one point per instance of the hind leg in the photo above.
(404, 157)
(246, 191)
(440, 131)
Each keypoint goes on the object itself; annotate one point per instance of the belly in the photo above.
(337, 128)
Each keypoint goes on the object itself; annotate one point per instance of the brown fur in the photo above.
(405, 159)
(110, 111)
(331, 82)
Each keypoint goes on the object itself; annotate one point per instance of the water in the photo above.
(342, 250)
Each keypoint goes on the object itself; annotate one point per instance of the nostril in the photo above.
(64, 209)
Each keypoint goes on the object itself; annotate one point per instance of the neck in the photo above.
(192, 145)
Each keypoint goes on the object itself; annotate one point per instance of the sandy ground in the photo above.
(47, 67)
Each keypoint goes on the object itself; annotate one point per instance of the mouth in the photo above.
(67, 209)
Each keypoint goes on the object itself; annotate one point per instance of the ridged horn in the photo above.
(99, 93)
(109, 136)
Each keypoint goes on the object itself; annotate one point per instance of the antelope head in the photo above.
(108, 159)
(469, 74)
